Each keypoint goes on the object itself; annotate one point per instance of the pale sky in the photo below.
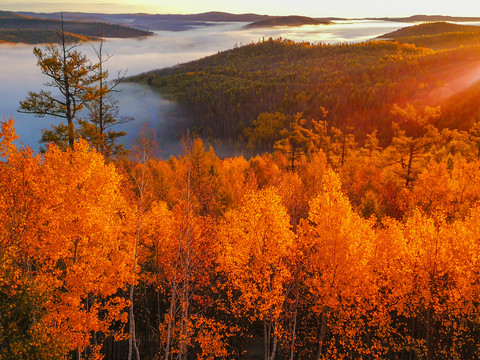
(314, 8)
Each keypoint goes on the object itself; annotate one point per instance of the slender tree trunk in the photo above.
(323, 332)
(410, 355)
(294, 331)
(171, 311)
(186, 273)
(66, 82)
(141, 185)
(132, 341)
(409, 166)
(101, 85)
(429, 335)
(181, 294)
(173, 302)
(275, 341)
(293, 158)
(265, 340)
(101, 146)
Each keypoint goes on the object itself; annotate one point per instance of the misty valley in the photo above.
(164, 49)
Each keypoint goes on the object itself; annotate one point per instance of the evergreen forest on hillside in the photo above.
(357, 84)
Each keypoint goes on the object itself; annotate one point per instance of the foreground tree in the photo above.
(70, 73)
(336, 245)
(21, 295)
(414, 135)
(78, 83)
(255, 242)
(297, 140)
(67, 252)
(265, 131)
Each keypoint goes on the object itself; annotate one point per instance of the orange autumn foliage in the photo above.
(235, 252)
(72, 242)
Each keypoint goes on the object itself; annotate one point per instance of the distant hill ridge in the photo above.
(172, 22)
(434, 28)
(10, 15)
(215, 16)
(218, 16)
(29, 36)
(21, 28)
(186, 22)
(438, 35)
(182, 22)
(292, 20)
(435, 18)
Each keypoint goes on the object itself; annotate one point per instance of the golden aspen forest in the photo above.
(346, 224)
(335, 250)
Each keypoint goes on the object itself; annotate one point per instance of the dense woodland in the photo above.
(326, 248)
(356, 83)
(334, 243)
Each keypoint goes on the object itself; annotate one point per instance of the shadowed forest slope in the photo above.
(357, 84)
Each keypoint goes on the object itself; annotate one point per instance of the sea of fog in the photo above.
(19, 73)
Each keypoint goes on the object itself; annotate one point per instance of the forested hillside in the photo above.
(357, 84)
